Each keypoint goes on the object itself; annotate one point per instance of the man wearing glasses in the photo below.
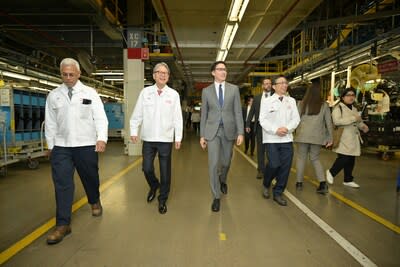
(278, 118)
(221, 124)
(76, 131)
(158, 113)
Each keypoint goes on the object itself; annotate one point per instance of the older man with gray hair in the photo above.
(76, 130)
(158, 113)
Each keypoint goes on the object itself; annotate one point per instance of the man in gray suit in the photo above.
(221, 124)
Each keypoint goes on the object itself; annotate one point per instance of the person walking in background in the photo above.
(221, 124)
(158, 113)
(255, 112)
(196, 121)
(279, 118)
(76, 129)
(345, 115)
(314, 130)
(249, 136)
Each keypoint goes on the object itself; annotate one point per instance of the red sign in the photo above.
(138, 53)
(388, 66)
(201, 85)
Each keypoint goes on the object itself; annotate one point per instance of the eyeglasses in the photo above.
(350, 95)
(282, 83)
(68, 75)
(162, 73)
(221, 69)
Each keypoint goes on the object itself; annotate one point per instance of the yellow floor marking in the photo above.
(345, 200)
(41, 230)
(359, 208)
(222, 236)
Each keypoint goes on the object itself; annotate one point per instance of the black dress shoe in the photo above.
(266, 193)
(322, 188)
(260, 175)
(224, 188)
(280, 200)
(215, 205)
(152, 194)
(162, 207)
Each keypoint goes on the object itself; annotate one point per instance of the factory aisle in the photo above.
(248, 231)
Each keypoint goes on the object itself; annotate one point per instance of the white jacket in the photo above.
(159, 116)
(80, 121)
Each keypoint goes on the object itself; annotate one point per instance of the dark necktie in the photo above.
(159, 92)
(266, 95)
(220, 96)
(281, 98)
(70, 92)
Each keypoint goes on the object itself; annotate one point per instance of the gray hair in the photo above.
(158, 65)
(68, 62)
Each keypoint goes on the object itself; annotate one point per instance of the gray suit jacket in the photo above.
(211, 112)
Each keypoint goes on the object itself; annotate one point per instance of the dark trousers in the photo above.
(261, 149)
(150, 149)
(280, 157)
(346, 163)
(64, 160)
(250, 139)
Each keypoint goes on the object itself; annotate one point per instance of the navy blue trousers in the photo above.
(64, 161)
(280, 157)
(164, 150)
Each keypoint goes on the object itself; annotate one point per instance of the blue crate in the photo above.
(35, 135)
(17, 98)
(27, 136)
(19, 137)
(26, 99)
(42, 101)
(35, 101)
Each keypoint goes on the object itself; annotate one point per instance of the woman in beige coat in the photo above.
(314, 131)
(345, 115)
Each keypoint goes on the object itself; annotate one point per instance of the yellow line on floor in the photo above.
(345, 200)
(41, 230)
(222, 236)
(358, 207)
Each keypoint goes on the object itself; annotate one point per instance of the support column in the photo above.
(133, 69)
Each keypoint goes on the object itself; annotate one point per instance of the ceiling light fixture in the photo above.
(235, 15)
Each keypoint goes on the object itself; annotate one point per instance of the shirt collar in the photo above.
(216, 84)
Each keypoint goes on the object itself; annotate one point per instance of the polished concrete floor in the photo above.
(248, 231)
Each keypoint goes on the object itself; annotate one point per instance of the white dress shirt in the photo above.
(159, 116)
(275, 114)
(80, 121)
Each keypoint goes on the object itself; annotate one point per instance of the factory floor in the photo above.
(347, 227)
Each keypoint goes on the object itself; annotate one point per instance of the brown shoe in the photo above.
(58, 234)
(97, 209)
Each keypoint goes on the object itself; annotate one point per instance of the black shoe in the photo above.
(152, 194)
(322, 188)
(215, 205)
(299, 186)
(224, 188)
(260, 175)
(162, 207)
(278, 199)
(266, 193)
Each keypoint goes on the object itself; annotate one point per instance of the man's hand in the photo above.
(365, 129)
(248, 129)
(282, 131)
(48, 153)
(100, 146)
(203, 143)
(239, 140)
(177, 145)
(134, 139)
(328, 144)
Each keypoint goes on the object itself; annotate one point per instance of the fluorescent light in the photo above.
(244, 6)
(226, 36)
(237, 10)
(235, 28)
(107, 73)
(16, 75)
(49, 83)
(113, 79)
(222, 55)
(39, 88)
